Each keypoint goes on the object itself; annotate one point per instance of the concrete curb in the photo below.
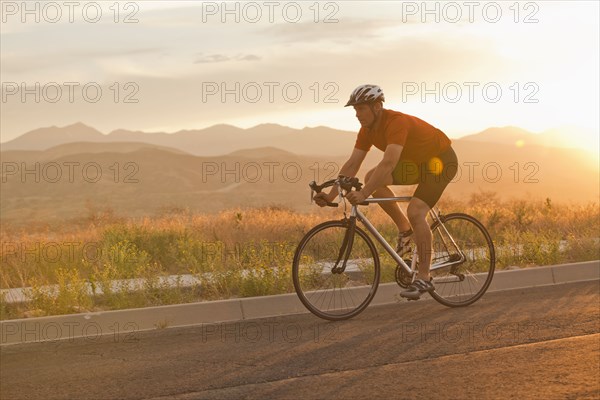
(123, 324)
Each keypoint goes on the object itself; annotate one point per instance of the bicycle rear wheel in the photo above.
(329, 294)
(463, 261)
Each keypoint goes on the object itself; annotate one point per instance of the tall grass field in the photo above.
(106, 262)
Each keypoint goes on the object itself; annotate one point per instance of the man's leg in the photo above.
(430, 188)
(391, 208)
(417, 214)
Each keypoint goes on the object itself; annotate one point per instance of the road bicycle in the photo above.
(336, 268)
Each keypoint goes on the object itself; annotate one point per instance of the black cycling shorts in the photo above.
(432, 176)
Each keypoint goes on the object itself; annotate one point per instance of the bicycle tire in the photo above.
(477, 269)
(360, 280)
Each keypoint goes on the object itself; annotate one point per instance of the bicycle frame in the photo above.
(355, 213)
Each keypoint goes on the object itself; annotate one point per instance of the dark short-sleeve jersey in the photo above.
(421, 141)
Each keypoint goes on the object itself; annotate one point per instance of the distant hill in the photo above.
(505, 135)
(138, 179)
(511, 135)
(44, 138)
(78, 149)
(92, 148)
(212, 141)
(148, 180)
(264, 152)
(59, 173)
(224, 139)
(527, 172)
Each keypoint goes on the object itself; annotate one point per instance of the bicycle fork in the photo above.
(346, 247)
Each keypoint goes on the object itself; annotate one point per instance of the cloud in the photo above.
(215, 58)
(81, 64)
(211, 58)
(341, 31)
(250, 57)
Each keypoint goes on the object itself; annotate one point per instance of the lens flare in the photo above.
(435, 166)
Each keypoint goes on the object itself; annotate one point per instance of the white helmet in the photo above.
(365, 94)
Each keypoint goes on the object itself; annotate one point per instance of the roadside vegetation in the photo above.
(106, 262)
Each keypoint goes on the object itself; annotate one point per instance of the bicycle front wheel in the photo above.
(463, 260)
(327, 292)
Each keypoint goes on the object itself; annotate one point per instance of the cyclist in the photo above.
(415, 152)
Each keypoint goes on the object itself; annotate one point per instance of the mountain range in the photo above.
(224, 139)
(212, 141)
(54, 173)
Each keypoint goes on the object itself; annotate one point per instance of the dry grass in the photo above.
(243, 252)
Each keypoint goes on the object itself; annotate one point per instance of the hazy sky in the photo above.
(463, 66)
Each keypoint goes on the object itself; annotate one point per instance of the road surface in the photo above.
(536, 343)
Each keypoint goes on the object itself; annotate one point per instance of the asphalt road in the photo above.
(537, 343)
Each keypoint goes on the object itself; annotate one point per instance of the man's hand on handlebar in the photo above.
(342, 182)
(323, 198)
(356, 197)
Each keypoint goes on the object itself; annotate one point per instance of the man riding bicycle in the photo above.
(415, 152)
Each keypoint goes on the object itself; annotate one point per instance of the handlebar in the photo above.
(344, 182)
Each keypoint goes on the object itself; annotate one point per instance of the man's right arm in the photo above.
(350, 168)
